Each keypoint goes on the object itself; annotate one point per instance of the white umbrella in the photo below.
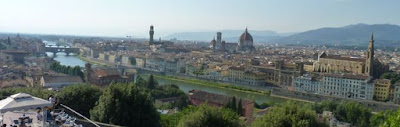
(22, 101)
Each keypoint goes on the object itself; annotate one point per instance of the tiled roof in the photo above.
(349, 76)
(214, 98)
(59, 79)
(344, 58)
(107, 72)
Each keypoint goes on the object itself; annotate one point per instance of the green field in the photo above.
(214, 84)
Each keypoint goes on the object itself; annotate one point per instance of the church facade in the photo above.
(337, 64)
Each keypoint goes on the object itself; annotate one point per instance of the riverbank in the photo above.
(90, 61)
(214, 84)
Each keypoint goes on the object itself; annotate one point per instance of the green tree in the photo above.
(182, 102)
(239, 108)
(233, 106)
(393, 76)
(207, 116)
(151, 83)
(35, 91)
(165, 91)
(290, 114)
(140, 81)
(171, 120)
(80, 97)
(127, 105)
(353, 113)
(379, 119)
(393, 120)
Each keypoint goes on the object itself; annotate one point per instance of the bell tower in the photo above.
(369, 63)
(151, 32)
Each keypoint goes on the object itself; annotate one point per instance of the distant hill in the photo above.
(227, 35)
(356, 35)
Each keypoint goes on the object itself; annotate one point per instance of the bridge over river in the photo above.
(64, 49)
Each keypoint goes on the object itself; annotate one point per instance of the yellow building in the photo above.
(382, 90)
(242, 75)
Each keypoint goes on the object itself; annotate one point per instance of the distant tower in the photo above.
(369, 69)
(223, 48)
(88, 70)
(151, 32)
(8, 40)
(219, 37)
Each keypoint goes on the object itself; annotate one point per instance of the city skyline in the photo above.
(122, 18)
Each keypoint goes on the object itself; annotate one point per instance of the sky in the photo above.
(133, 17)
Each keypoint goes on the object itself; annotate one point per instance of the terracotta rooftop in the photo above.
(344, 58)
(59, 79)
(107, 72)
(349, 76)
(214, 98)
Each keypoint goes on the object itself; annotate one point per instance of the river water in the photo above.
(61, 57)
(72, 60)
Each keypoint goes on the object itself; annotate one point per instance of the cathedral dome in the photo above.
(213, 41)
(245, 37)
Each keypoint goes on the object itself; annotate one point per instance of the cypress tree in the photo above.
(151, 83)
(239, 108)
(233, 103)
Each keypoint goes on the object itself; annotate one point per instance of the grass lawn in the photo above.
(214, 84)
(89, 61)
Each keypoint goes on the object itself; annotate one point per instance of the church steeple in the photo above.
(370, 57)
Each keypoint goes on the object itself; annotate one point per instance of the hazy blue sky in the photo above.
(133, 17)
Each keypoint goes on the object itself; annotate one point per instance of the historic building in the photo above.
(307, 83)
(245, 43)
(157, 45)
(382, 90)
(104, 76)
(242, 75)
(337, 64)
(198, 97)
(13, 55)
(219, 44)
(57, 82)
(355, 86)
(396, 92)
(281, 74)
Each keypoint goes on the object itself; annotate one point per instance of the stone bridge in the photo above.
(67, 51)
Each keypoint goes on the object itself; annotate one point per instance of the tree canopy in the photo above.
(74, 71)
(289, 114)
(151, 83)
(127, 105)
(393, 76)
(207, 116)
(35, 91)
(351, 112)
(80, 97)
(392, 119)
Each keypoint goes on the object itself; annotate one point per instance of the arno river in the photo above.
(74, 61)
(63, 58)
